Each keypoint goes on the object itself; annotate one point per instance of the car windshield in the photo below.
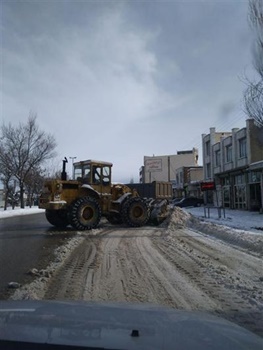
(131, 163)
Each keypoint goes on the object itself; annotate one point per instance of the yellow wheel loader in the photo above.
(82, 202)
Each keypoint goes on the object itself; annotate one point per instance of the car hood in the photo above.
(119, 326)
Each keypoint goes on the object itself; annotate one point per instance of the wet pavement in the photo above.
(26, 242)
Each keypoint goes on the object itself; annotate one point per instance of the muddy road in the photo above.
(174, 266)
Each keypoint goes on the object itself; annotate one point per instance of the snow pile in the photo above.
(179, 218)
(249, 240)
(18, 211)
(36, 290)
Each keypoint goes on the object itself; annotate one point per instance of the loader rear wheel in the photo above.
(57, 218)
(135, 212)
(84, 214)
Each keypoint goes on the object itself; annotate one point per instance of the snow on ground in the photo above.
(239, 228)
(178, 219)
(238, 219)
(18, 211)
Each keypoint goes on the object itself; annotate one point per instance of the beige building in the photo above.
(234, 161)
(163, 168)
(188, 181)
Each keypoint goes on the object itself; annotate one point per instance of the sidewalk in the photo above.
(239, 219)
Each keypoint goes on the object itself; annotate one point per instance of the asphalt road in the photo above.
(26, 242)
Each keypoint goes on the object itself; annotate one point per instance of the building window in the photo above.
(225, 181)
(207, 147)
(240, 196)
(217, 158)
(254, 176)
(229, 153)
(208, 170)
(239, 179)
(243, 147)
(226, 196)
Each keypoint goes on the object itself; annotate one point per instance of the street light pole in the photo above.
(72, 160)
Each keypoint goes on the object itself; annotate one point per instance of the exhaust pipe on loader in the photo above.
(64, 173)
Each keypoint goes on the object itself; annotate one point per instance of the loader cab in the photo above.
(92, 172)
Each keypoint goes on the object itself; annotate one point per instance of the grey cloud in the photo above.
(117, 80)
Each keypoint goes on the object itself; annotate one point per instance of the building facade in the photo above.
(163, 168)
(188, 182)
(234, 161)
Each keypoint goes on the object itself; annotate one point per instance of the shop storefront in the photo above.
(240, 192)
(255, 189)
(226, 192)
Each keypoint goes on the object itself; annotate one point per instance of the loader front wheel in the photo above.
(84, 214)
(57, 218)
(135, 212)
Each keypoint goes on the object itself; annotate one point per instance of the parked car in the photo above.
(189, 202)
(176, 200)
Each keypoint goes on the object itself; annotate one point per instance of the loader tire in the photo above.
(57, 218)
(84, 213)
(135, 212)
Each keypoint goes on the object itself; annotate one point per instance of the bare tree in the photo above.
(24, 148)
(256, 21)
(33, 185)
(9, 188)
(253, 100)
(253, 96)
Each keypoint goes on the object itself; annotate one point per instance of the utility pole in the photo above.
(72, 160)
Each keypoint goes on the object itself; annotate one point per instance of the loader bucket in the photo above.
(159, 211)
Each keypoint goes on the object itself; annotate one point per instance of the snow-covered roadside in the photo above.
(237, 219)
(19, 212)
(249, 239)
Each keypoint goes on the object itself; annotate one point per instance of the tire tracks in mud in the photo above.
(180, 269)
(70, 279)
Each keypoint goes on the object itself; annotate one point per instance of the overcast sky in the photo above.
(117, 80)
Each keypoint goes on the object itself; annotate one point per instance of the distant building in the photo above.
(188, 181)
(234, 160)
(141, 174)
(163, 168)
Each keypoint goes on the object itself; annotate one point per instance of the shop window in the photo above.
(240, 197)
(254, 176)
(226, 196)
(239, 179)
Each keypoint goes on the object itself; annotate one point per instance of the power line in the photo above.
(226, 125)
